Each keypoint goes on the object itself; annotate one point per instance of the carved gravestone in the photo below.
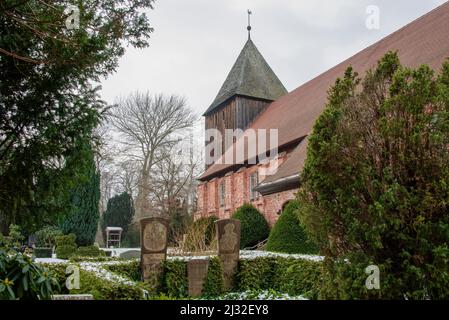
(228, 233)
(197, 272)
(154, 233)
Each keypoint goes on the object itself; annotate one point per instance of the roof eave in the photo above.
(283, 184)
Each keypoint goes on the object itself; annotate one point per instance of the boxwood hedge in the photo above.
(285, 275)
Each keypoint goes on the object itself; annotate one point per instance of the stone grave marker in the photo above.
(228, 233)
(154, 236)
(196, 273)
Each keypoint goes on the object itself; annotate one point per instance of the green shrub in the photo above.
(89, 251)
(214, 283)
(21, 278)
(293, 276)
(42, 252)
(130, 270)
(298, 277)
(46, 237)
(65, 251)
(375, 185)
(69, 239)
(174, 279)
(254, 227)
(288, 235)
(65, 246)
(100, 288)
(14, 239)
(103, 289)
(256, 274)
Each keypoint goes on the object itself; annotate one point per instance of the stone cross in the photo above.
(153, 243)
(228, 233)
(196, 273)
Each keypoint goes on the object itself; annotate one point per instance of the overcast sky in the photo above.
(196, 42)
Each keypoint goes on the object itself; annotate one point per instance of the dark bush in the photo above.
(42, 252)
(65, 246)
(89, 251)
(254, 227)
(288, 235)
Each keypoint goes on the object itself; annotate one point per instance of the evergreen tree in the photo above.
(47, 100)
(82, 213)
(119, 213)
(375, 187)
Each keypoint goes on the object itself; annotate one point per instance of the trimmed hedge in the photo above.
(288, 235)
(214, 283)
(284, 275)
(106, 290)
(174, 281)
(91, 284)
(42, 252)
(254, 227)
(89, 251)
(65, 246)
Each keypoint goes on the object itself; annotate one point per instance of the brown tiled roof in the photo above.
(424, 41)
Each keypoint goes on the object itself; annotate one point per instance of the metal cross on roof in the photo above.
(249, 23)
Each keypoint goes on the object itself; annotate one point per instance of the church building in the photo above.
(253, 98)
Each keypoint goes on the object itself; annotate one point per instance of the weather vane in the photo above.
(249, 24)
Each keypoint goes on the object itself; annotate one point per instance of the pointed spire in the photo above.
(249, 24)
(251, 76)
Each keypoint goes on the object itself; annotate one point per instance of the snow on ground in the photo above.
(252, 254)
(264, 295)
(50, 260)
(244, 254)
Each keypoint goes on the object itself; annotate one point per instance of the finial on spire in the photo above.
(249, 24)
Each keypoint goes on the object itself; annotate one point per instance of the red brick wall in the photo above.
(237, 193)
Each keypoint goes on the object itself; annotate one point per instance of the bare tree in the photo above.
(127, 177)
(149, 125)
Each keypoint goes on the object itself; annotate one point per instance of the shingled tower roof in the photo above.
(250, 76)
